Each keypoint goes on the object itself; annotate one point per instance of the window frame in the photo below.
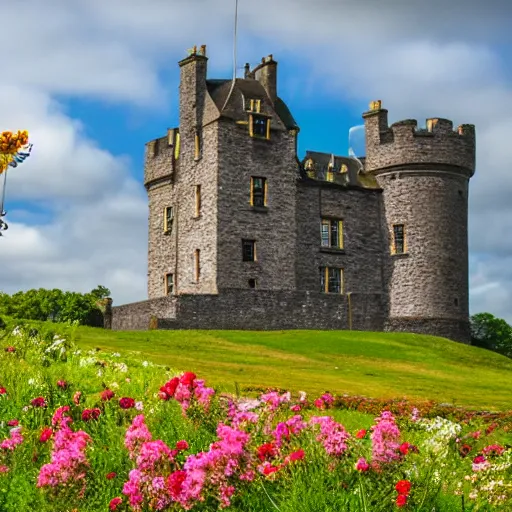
(197, 265)
(197, 201)
(166, 283)
(329, 222)
(252, 118)
(167, 229)
(394, 239)
(264, 189)
(253, 249)
(325, 280)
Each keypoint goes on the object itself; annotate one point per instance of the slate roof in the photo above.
(246, 89)
(354, 176)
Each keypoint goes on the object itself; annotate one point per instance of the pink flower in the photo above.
(297, 455)
(493, 449)
(76, 397)
(385, 437)
(58, 417)
(114, 503)
(10, 349)
(4, 469)
(362, 465)
(332, 435)
(319, 403)
(14, 440)
(62, 384)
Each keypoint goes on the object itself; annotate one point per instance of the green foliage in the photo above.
(491, 333)
(55, 305)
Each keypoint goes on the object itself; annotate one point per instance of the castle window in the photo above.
(329, 175)
(259, 126)
(252, 283)
(398, 243)
(169, 284)
(197, 266)
(248, 250)
(258, 191)
(197, 190)
(331, 280)
(168, 219)
(332, 233)
(255, 106)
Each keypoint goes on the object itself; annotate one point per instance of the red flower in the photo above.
(10, 349)
(46, 434)
(107, 395)
(298, 455)
(403, 487)
(38, 402)
(319, 403)
(13, 423)
(267, 451)
(90, 414)
(465, 449)
(361, 434)
(168, 389)
(181, 445)
(126, 403)
(62, 384)
(3, 391)
(187, 378)
(268, 470)
(114, 503)
(479, 459)
(110, 475)
(401, 500)
(175, 483)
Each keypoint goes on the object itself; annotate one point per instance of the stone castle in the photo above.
(244, 235)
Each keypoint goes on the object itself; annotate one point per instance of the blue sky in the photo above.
(98, 79)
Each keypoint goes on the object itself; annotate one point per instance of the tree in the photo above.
(100, 292)
(492, 333)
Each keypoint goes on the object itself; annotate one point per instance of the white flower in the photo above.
(145, 363)
(31, 382)
(114, 385)
(139, 406)
(100, 373)
(116, 354)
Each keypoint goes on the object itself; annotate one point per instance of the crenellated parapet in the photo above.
(403, 144)
(160, 158)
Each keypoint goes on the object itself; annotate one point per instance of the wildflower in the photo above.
(4, 469)
(405, 448)
(175, 483)
(13, 423)
(3, 391)
(107, 395)
(319, 403)
(401, 500)
(139, 406)
(385, 437)
(114, 503)
(58, 416)
(297, 455)
(361, 434)
(332, 435)
(15, 438)
(182, 445)
(267, 451)
(403, 487)
(479, 463)
(38, 402)
(76, 398)
(45, 435)
(464, 449)
(90, 414)
(111, 475)
(362, 465)
(62, 384)
(126, 403)
(10, 349)
(187, 378)
(493, 449)
(168, 389)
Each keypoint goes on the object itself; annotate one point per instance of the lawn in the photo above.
(379, 365)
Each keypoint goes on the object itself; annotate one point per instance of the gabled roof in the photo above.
(244, 90)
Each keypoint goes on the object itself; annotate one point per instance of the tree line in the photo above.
(56, 305)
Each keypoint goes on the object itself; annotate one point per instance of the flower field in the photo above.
(94, 430)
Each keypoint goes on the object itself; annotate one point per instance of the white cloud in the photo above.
(427, 59)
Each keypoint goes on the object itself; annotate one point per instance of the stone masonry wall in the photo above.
(273, 228)
(255, 310)
(361, 257)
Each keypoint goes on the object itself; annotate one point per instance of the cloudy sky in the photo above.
(94, 80)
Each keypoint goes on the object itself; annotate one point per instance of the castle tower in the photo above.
(424, 175)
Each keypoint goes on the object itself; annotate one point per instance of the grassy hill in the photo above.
(388, 365)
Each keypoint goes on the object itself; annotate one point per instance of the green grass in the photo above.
(379, 365)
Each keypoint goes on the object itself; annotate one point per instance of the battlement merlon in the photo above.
(403, 144)
(160, 157)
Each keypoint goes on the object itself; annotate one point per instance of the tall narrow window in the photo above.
(169, 284)
(168, 219)
(255, 106)
(248, 250)
(329, 175)
(398, 243)
(197, 191)
(331, 280)
(258, 191)
(197, 265)
(332, 233)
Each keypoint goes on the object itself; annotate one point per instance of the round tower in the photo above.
(424, 174)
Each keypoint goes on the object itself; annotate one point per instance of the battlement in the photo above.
(160, 157)
(403, 143)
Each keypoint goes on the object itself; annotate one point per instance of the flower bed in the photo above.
(90, 432)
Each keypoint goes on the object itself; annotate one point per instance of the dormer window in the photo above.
(259, 126)
(255, 106)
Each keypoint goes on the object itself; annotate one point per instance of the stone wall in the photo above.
(255, 310)
(451, 328)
